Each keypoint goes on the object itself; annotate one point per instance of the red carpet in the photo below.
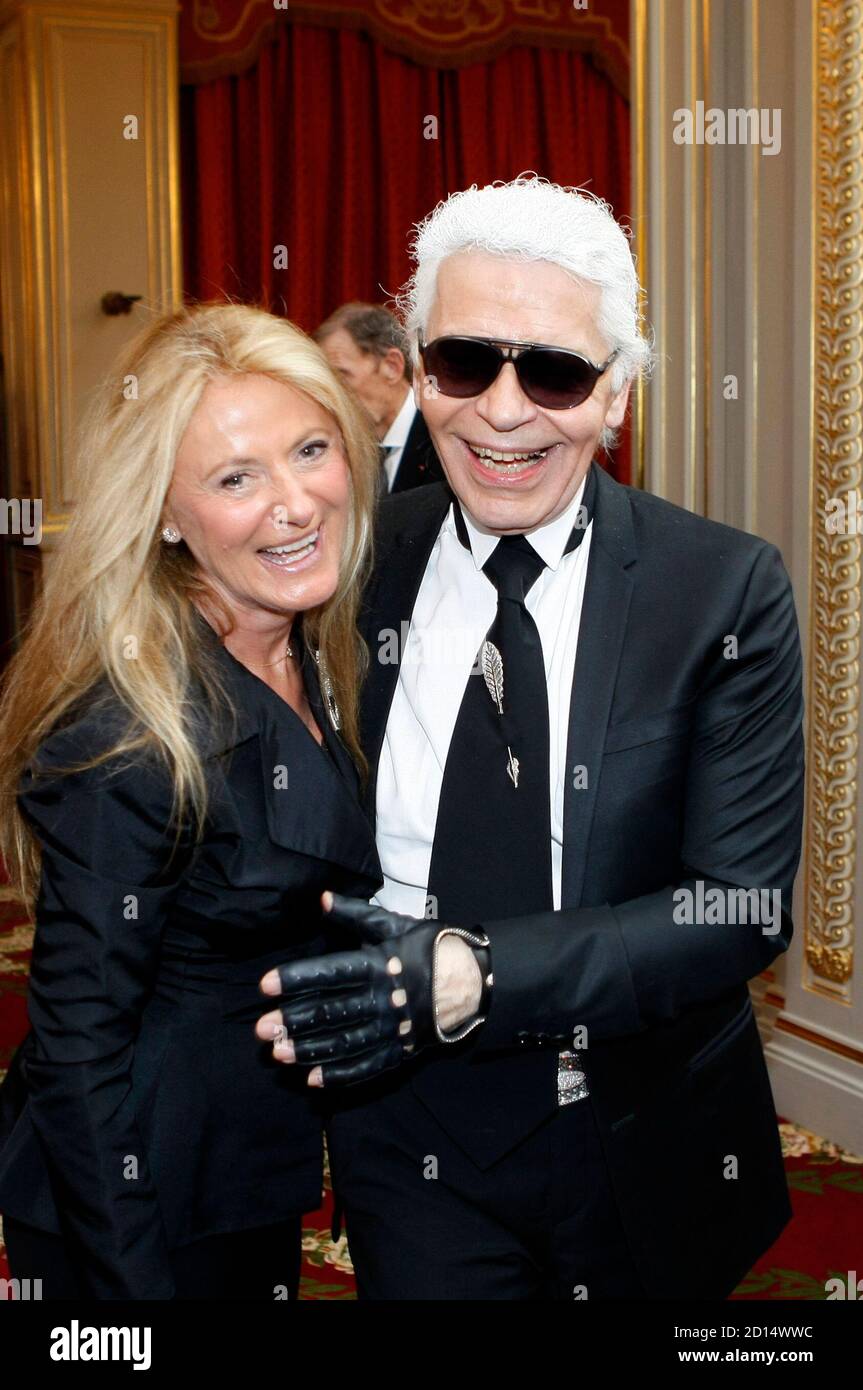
(822, 1241)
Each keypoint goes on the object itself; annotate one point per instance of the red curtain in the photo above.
(218, 37)
(320, 148)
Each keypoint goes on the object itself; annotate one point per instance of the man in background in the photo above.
(367, 346)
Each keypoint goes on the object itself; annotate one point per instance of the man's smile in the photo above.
(497, 464)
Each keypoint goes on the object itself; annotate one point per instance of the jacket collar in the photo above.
(408, 528)
(311, 795)
(410, 522)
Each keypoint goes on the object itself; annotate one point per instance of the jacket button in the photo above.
(522, 1039)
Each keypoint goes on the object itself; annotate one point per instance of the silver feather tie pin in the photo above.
(492, 670)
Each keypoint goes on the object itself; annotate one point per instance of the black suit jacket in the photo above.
(694, 771)
(419, 462)
(141, 1112)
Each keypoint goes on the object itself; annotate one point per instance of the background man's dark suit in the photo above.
(694, 771)
(419, 463)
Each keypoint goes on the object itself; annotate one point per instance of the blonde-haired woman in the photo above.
(178, 774)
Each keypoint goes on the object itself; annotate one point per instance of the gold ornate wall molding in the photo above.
(835, 590)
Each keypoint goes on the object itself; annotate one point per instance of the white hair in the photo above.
(531, 219)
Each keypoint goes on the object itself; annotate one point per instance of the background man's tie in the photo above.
(384, 451)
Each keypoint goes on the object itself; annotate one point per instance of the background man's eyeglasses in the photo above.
(553, 378)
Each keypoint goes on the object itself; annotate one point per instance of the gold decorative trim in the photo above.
(639, 166)
(817, 1039)
(706, 20)
(755, 172)
(205, 20)
(835, 594)
(435, 33)
(694, 251)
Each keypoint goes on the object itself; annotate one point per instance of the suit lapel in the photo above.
(419, 464)
(310, 807)
(408, 529)
(311, 796)
(607, 597)
(334, 744)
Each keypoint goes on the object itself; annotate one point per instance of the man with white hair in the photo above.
(583, 718)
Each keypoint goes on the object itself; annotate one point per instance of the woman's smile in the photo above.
(295, 555)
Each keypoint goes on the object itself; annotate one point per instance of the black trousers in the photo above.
(423, 1222)
(242, 1265)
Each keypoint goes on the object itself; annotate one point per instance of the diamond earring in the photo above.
(170, 535)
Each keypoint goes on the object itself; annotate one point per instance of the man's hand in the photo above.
(458, 983)
(358, 1013)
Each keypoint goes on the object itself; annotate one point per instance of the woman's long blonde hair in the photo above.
(114, 581)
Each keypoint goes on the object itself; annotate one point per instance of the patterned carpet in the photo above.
(823, 1240)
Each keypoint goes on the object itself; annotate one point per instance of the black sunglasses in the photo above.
(553, 378)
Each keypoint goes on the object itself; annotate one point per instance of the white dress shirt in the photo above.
(396, 438)
(455, 607)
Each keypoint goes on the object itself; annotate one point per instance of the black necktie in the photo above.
(491, 856)
(384, 451)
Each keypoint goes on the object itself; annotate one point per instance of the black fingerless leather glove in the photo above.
(358, 1013)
